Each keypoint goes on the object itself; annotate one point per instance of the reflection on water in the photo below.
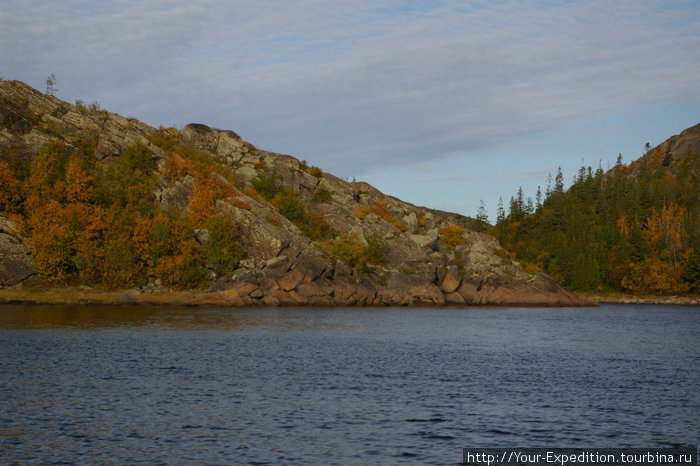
(174, 318)
(129, 384)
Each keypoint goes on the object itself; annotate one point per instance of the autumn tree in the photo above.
(201, 201)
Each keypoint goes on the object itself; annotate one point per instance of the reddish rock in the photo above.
(452, 280)
(454, 298)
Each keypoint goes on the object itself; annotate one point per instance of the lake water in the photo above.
(146, 385)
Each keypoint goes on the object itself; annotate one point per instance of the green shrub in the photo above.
(289, 204)
(222, 250)
(322, 195)
(164, 138)
(315, 171)
(376, 249)
(48, 170)
(266, 184)
(352, 251)
(129, 183)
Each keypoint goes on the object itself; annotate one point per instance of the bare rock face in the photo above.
(15, 258)
(403, 257)
(225, 143)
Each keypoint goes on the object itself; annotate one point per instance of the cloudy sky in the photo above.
(440, 103)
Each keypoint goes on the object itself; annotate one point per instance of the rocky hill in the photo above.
(95, 199)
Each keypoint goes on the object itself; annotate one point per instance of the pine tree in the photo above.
(500, 212)
(51, 84)
(481, 215)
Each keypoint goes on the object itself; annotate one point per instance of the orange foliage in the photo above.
(201, 202)
(65, 240)
(176, 167)
(51, 242)
(380, 210)
(241, 204)
(78, 183)
(221, 187)
(141, 237)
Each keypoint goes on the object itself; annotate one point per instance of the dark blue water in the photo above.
(123, 385)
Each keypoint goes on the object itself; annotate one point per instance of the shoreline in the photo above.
(229, 298)
(622, 298)
(77, 296)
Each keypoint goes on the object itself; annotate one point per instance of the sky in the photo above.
(439, 103)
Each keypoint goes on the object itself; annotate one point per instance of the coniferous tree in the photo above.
(51, 84)
(633, 228)
(481, 215)
(500, 212)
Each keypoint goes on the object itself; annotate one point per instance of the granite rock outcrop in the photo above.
(284, 265)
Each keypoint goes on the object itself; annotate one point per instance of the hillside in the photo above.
(90, 198)
(633, 228)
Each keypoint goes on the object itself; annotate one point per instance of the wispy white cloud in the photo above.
(535, 173)
(360, 84)
(447, 179)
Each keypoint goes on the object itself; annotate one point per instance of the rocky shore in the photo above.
(621, 298)
(324, 241)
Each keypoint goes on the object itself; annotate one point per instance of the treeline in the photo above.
(93, 223)
(634, 228)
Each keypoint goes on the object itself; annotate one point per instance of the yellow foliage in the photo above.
(653, 276)
(453, 235)
(183, 269)
(351, 251)
(623, 225)
(362, 212)
(165, 138)
(531, 268)
(666, 235)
